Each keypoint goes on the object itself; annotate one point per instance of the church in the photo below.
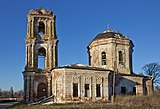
(109, 72)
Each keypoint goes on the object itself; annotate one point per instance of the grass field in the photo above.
(121, 102)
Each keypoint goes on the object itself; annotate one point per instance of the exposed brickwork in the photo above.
(111, 46)
(110, 58)
(41, 40)
(64, 78)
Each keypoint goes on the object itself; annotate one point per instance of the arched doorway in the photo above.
(42, 91)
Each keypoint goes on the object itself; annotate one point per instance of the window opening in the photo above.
(86, 90)
(134, 90)
(103, 58)
(75, 89)
(123, 90)
(120, 57)
(98, 90)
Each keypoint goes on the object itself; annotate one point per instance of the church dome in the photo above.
(109, 34)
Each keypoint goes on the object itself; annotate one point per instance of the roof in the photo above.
(41, 11)
(133, 75)
(109, 34)
(83, 67)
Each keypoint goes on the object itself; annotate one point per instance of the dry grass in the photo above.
(141, 102)
(122, 102)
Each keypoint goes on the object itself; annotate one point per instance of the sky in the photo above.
(77, 23)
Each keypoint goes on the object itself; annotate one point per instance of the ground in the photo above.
(7, 104)
(122, 102)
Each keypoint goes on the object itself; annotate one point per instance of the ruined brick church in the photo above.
(109, 71)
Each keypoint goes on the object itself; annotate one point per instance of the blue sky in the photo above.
(77, 23)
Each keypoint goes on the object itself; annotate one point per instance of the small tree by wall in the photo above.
(153, 69)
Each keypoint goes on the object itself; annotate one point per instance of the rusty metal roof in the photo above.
(109, 34)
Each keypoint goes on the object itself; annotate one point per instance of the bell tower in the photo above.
(41, 40)
(41, 54)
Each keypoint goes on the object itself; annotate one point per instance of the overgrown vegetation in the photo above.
(122, 102)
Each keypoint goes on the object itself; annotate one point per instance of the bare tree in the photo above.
(18, 94)
(11, 92)
(0, 92)
(153, 69)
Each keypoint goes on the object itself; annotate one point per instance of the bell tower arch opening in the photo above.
(41, 28)
(41, 57)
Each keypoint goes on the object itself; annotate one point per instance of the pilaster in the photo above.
(81, 89)
(105, 87)
(93, 88)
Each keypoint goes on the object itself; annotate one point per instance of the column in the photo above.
(49, 86)
(29, 27)
(53, 35)
(53, 55)
(50, 56)
(33, 54)
(32, 88)
(46, 28)
(50, 29)
(27, 88)
(32, 28)
(102, 88)
(26, 55)
(28, 58)
(24, 87)
(46, 58)
(49, 63)
(29, 55)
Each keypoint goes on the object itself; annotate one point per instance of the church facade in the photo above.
(109, 71)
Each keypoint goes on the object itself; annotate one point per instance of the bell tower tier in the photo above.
(41, 40)
(41, 55)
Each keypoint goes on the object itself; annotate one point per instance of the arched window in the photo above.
(41, 28)
(120, 57)
(41, 57)
(103, 58)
